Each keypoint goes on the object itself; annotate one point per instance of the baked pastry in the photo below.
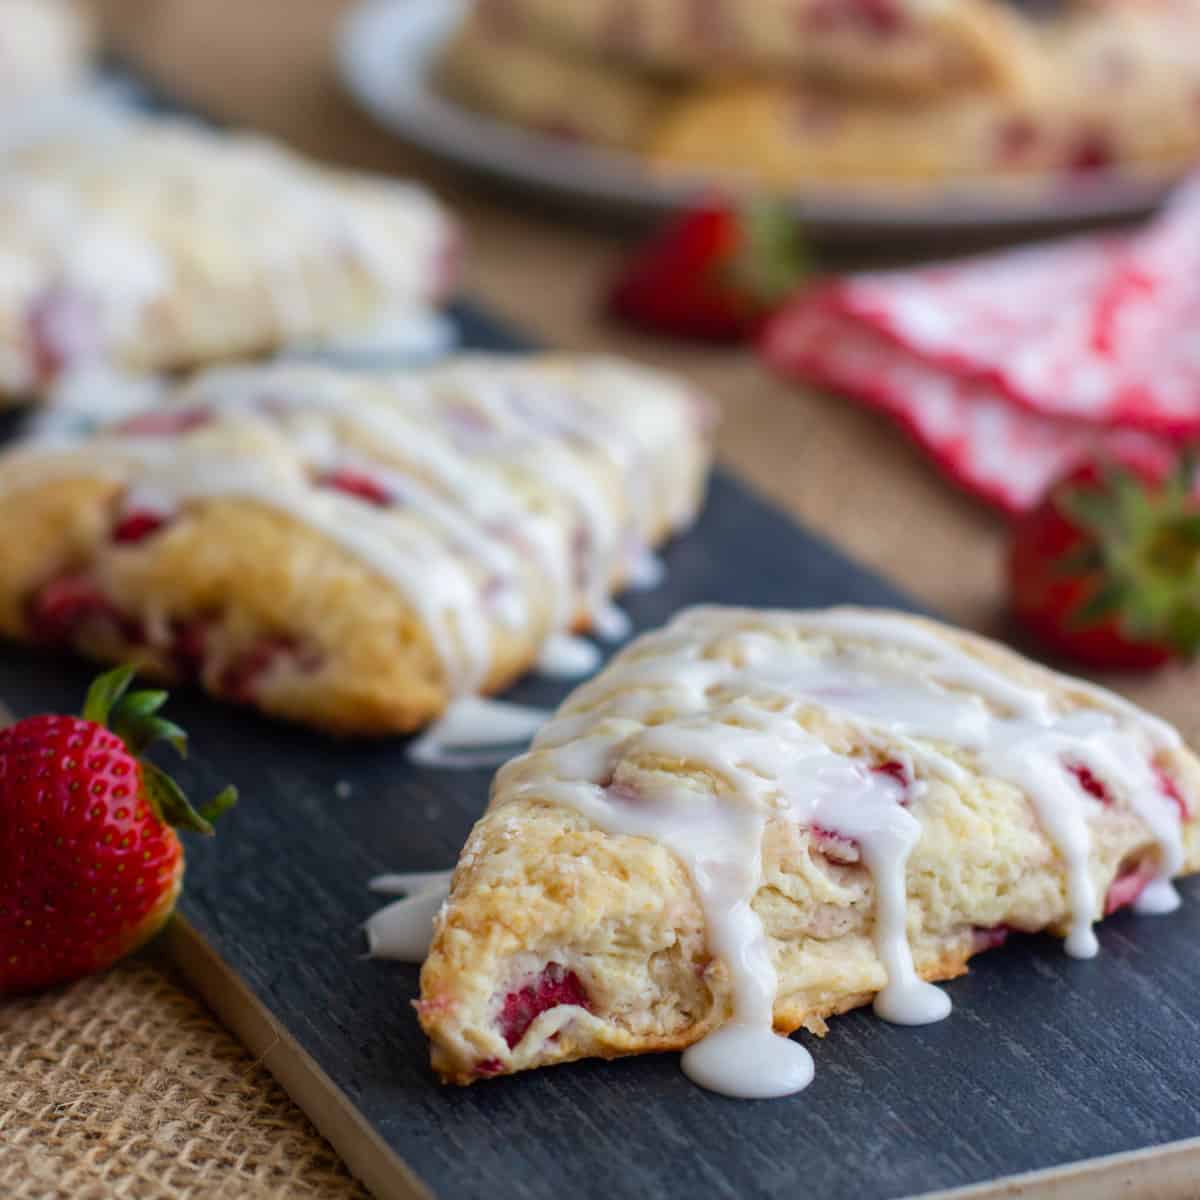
(1102, 86)
(891, 45)
(350, 550)
(756, 820)
(544, 89)
(159, 245)
(44, 47)
(1115, 90)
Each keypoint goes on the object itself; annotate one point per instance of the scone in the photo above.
(1114, 90)
(350, 550)
(158, 245)
(546, 90)
(756, 820)
(890, 45)
(44, 46)
(1104, 86)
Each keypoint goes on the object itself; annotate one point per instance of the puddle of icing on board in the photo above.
(393, 337)
(402, 931)
(896, 682)
(474, 730)
(474, 522)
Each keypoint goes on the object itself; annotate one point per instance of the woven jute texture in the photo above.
(125, 1086)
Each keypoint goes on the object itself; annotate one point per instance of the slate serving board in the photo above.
(1045, 1060)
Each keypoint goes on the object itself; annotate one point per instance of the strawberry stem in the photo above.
(105, 692)
(133, 717)
(1142, 553)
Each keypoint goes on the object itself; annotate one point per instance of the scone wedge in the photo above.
(353, 550)
(158, 245)
(756, 820)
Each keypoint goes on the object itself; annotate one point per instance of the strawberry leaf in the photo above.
(105, 692)
(171, 803)
(133, 717)
(1105, 602)
(221, 803)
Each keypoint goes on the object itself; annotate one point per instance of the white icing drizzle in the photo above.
(646, 570)
(405, 883)
(404, 929)
(476, 732)
(472, 537)
(95, 216)
(405, 553)
(393, 338)
(567, 657)
(735, 719)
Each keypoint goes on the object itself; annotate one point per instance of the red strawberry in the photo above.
(360, 484)
(713, 274)
(90, 867)
(520, 1008)
(1106, 570)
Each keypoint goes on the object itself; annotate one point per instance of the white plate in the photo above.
(387, 51)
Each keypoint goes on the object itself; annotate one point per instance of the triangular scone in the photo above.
(351, 549)
(740, 773)
(158, 245)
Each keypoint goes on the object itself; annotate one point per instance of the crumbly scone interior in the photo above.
(351, 549)
(568, 936)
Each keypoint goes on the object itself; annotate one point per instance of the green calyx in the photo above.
(772, 258)
(1144, 548)
(133, 717)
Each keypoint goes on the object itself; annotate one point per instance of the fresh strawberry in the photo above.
(90, 866)
(1106, 570)
(713, 273)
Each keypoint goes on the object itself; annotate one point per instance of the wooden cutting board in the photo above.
(1045, 1060)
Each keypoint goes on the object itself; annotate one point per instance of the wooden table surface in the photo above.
(267, 64)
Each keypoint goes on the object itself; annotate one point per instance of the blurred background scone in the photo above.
(881, 92)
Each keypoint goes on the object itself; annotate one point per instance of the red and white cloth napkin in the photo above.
(1011, 367)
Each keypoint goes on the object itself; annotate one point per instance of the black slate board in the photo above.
(1044, 1061)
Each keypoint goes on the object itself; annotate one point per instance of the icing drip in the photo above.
(737, 698)
(476, 732)
(404, 929)
(566, 657)
(611, 623)
(646, 570)
(394, 337)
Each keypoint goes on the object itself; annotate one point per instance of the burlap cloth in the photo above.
(125, 1086)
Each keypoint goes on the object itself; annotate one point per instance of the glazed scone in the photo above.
(759, 819)
(890, 45)
(44, 47)
(350, 550)
(159, 245)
